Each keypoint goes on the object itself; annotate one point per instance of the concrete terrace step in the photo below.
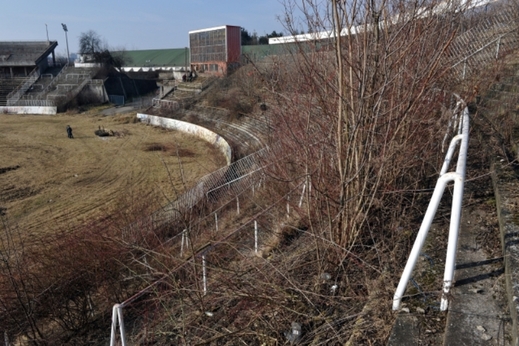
(243, 136)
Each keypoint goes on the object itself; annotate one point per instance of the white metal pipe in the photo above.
(117, 316)
(452, 146)
(461, 166)
(420, 237)
(121, 325)
(457, 203)
(216, 221)
(237, 205)
(450, 261)
(114, 325)
(459, 178)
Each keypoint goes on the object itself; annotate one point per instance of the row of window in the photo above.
(203, 57)
(207, 38)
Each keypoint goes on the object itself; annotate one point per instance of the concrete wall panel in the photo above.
(29, 110)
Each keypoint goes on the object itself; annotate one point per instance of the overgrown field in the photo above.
(49, 182)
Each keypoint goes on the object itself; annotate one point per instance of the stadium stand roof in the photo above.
(25, 53)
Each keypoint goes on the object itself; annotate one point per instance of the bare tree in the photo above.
(356, 109)
(90, 43)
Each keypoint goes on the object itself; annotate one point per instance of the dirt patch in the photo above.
(169, 148)
(7, 169)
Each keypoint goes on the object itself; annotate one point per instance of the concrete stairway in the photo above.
(7, 85)
(53, 85)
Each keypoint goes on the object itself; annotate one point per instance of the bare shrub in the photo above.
(63, 286)
(356, 120)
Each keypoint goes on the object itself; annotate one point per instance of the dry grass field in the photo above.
(50, 182)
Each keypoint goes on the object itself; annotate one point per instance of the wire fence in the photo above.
(488, 39)
(35, 103)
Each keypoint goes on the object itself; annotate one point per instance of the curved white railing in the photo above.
(458, 177)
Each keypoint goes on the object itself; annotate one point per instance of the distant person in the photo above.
(69, 132)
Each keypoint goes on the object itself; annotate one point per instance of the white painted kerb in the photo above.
(198, 131)
(28, 110)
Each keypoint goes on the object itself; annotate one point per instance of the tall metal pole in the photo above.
(47, 30)
(66, 39)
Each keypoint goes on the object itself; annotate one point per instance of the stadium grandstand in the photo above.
(22, 62)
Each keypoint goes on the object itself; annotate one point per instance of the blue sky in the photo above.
(133, 24)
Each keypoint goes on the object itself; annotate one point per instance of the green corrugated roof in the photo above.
(259, 52)
(177, 56)
(157, 57)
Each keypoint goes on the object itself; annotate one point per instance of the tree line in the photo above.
(252, 39)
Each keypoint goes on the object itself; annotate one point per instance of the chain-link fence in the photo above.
(488, 38)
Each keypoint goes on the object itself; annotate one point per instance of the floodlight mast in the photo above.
(66, 39)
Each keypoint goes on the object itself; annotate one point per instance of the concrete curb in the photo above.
(506, 190)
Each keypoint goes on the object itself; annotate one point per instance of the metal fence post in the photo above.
(302, 195)
(497, 47)
(204, 275)
(183, 241)
(255, 236)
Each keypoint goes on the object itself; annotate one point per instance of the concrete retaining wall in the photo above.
(29, 110)
(506, 190)
(192, 129)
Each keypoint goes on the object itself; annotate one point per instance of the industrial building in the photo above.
(215, 50)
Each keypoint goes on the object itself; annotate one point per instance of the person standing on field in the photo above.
(69, 132)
